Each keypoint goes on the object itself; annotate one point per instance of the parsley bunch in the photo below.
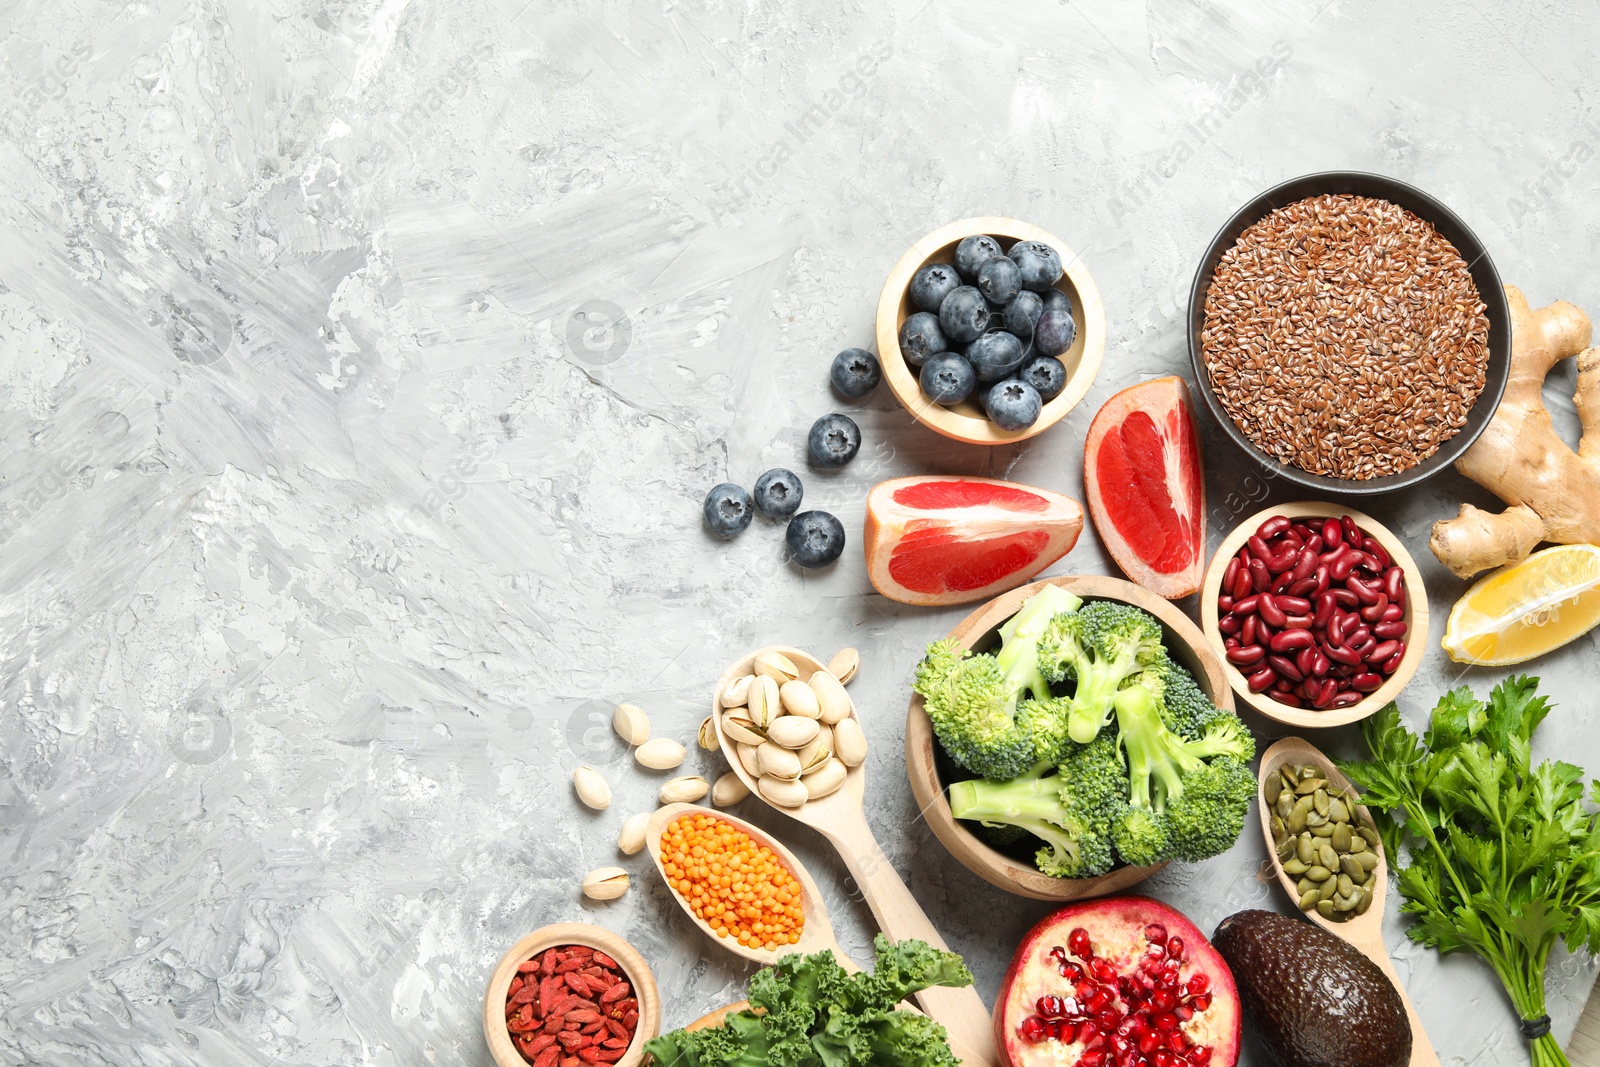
(1504, 856)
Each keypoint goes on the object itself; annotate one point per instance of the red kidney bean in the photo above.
(1247, 605)
(1346, 699)
(1293, 605)
(1260, 577)
(1393, 613)
(1271, 614)
(1264, 632)
(1224, 604)
(1392, 664)
(1288, 699)
(1304, 588)
(1365, 593)
(1230, 642)
(1381, 651)
(1341, 654)
(1324, 579)
(1375, 549)
(1345, 598)
(1285, 668)
(1336, 628)
(1305, 657)
(1230, 574)
(1358, 638)
(1342, 564)
(1282, 582)
(1289, 640)
(1241, 582)
(1386, 630)
(1366, 682)
(1374, 612)
(1305, 565)
(1246, 656)
(1352, 532)
(1325, 607)
(1319, 663)
(1330, 689)
(1273, 527)
(1262, 680)
(1297, 622)
(1283, 685)
(1250, 633)
(1393, 582)
(1258, 548)
(1229, 624)
(1332, 531)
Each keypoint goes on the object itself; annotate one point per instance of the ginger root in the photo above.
(1553, 491)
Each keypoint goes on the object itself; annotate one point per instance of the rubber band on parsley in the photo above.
(807, 1011)
(1504, 857)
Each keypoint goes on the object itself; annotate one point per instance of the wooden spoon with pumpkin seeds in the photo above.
(1364, 926)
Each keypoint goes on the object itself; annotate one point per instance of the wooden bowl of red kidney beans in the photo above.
(570, 995)
(1318, 612)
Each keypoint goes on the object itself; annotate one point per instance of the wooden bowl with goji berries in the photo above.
(1318, 612)
(570, 995)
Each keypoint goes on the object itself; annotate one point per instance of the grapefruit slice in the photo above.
(947, 540)
(1144, 485)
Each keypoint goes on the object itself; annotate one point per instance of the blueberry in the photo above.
(1013, 404)
(1044, 373)
(728, 510)
(1054, 333)
(995, 355)
(1022, 313)
(778, 493)
(948, 378)
(835, 440)
(920, 337)
(855, 373)
(1054, 298)
(973, 252)
(999, 280)
(963, 315)
(815, 538)
(930, 285)
(1039, 264)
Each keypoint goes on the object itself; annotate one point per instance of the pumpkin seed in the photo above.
(1318, 873)
(1273, 790)
(1322, 829)
(1280, 830)
(1308, 900)
(1344, 902)
(1364, 902)
(1358, 844)
(1341, 837)
(1330, 889)
(1306, 849)
(1352, 867)
(1306, 885)
(1329, 858)
(1285, 804)
(592, 789)
(1293, 867)
(844, 665)
(1307, 772)
(1315, 819)
(631, 724)
(1371, 836)
(1286, 851)
(1320, 801)
(1309, 786)
(1325, 909)
(1297, 817)
(605, 883)
(1367, 860)
(1338, 810)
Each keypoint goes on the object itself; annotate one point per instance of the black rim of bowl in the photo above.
(1450, 226)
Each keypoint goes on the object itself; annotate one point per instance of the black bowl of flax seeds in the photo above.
(1349, 332)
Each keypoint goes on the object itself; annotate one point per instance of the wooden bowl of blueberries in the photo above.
(990, 330)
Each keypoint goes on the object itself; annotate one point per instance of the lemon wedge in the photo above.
(1528, 608)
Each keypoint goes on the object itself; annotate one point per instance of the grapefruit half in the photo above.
(1145, 488)
(946, 540)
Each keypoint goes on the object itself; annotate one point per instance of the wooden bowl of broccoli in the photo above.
(1070, 737)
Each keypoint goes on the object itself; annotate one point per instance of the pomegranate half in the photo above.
(1118, 982)
(1144, 485)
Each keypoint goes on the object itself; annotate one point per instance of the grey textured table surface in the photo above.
(335, 517)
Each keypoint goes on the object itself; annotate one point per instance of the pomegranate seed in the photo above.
(1095, 1057)
(1200, 1055)
(1199, 982)
(1151, 964)
(1175, 948)
(1201, 1003)
(1160, 1000)
(1108, 1020)
(1032, 1029)
(1072, 972)
(1166, 1021)
(1091, 1039)
(1155, 951)
(1183, 1012)
(1062, 1030)
(1085, 989)
(1120, 1046)
(1078, 942)
(1100, 1001)
(1137, 1024)
(1163, 1058)
(1178, 1041)
(1149, 1041)
(1155, 932)
(1103, 970)
(1168, 976)
(1059, 954)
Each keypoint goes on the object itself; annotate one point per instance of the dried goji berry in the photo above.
(610, 1055)
(571, 1040)
(615, 993)
(525, 995)
(631, 1020)
(581, 951)
(606, 961)
(583, 1015)
(590, 1055)
(541, 1042)
(570, 1061)
(552, 1024)
(528, 965)
(547, 1058)
(614, 1042)
(570, 965)
(616, 1028)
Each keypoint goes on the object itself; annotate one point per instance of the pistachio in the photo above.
(793, 731)
(685, 789)
(777, 666)
(742, 730)
(849, 743)
(764, 704)
(707, 734)
(828, 778)
(737, 692)
(728, 790)
(833, 704)
(777, 762)
(844, 665)
(605, 883)
(591, 788)
(747, 759)
(817, 753)
(799, 699)
(660, 754)
(631, 724)
(785, 794)
(631, 838)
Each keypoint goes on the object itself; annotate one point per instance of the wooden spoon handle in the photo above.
(900, 917)
(1422, 1054)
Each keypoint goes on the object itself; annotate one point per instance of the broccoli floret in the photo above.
(1069, 810)
(1209, 816)
(1185, 708)
(972, 700)
(1099, 648)
(1142, 837)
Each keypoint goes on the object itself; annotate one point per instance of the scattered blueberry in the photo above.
(973, 252)
(835, 440)
(815, 538)
(1022, 313)
(995, 355)
(728, 510)
(920, 337)
(947, 378)
(1039, 264)
(1013, 404)
(1045, 373)
(930, 285)
(778, 493)
(855, 373)
(1054, 333)
(1055, 299)
(963, 315)
(999, 280)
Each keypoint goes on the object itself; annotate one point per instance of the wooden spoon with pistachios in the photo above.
(1320, 801)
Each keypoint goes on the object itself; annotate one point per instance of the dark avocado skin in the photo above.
(1313, 999)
